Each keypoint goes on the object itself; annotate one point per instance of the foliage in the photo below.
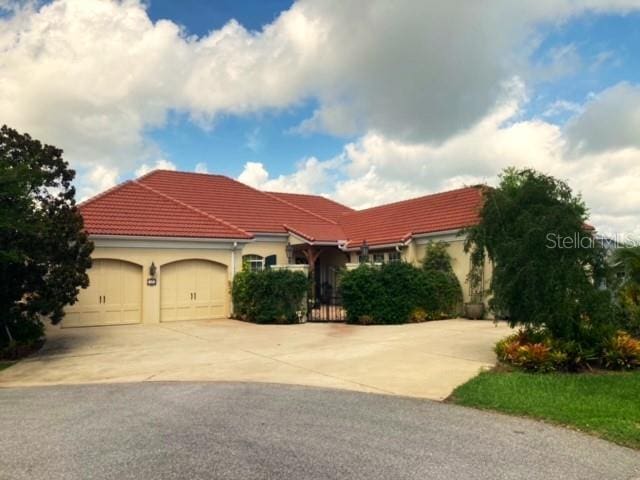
(398, 293)
(437, 257)
(447, 299)
(622, 352)
(539, 351)
(385, 294)
(44, 251)
(269, 296)
(604, 403)
(529, 354)
(628, 293)
(545, 262)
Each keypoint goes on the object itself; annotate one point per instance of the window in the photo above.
(363, 258)
(270, 261)
(253, 263)
(394, 257)
(378, 258)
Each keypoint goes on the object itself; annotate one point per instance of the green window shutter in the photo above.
(269, 261)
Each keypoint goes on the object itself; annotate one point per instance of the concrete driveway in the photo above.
(421, 360)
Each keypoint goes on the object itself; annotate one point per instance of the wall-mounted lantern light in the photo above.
(152, 270)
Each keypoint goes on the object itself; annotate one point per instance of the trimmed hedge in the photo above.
(269, 296)
(398, 293)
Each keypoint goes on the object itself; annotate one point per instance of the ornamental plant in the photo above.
(269, 296)
(399, 292)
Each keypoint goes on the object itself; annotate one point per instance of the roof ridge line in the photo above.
(103, 194)
(270, 195)
(190, 207)
(407, 200)
(298, 207)
(314, 195)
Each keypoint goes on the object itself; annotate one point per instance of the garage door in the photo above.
(193, 290)
(114, 296)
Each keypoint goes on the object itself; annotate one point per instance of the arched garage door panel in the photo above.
(193, 290)
(114, 296)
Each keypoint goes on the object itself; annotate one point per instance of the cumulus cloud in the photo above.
(161, 164)
(428, 87)
(311, 175)
(611, 120)
(376, 169)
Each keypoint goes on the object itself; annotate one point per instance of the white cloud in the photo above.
(376, 169)
(561, 106)
(201, 167)
(95, 180)
(426, 85)
(254, 174)
(610, 120)
(311, 175)
(161, 164)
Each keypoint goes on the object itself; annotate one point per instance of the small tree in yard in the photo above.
(44, 252)
(436, 264)
(545, 261)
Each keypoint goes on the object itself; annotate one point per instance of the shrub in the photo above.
(269, 296)
(398, 293)
(538, 351)
(446, 300)
(628, 299)
(386, 294)
(522, 350)
(622, 352)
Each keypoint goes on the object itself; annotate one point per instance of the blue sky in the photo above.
(264, 137)
(366, 102)
(606, 46)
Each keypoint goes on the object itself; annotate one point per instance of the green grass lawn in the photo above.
(606, 404)
(4, 364)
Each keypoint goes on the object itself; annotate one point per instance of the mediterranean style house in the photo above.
(168, 244)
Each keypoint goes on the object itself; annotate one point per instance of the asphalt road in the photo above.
(244, 431)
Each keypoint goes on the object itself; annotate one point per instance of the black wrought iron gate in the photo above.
(325, 302)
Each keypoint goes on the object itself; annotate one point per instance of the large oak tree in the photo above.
(44, 251)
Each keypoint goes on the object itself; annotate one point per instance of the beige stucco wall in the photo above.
(144, 252)
(415, 250)
(266, 248)
(160, 257)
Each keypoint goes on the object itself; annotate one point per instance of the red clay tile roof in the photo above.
(181, 204)
(316, 203)
(241, 205)
(397, 222)
(134, 209)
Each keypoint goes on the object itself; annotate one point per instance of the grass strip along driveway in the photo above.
(4, 364)
(606, 404)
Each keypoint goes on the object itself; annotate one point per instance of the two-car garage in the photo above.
(189, 289)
